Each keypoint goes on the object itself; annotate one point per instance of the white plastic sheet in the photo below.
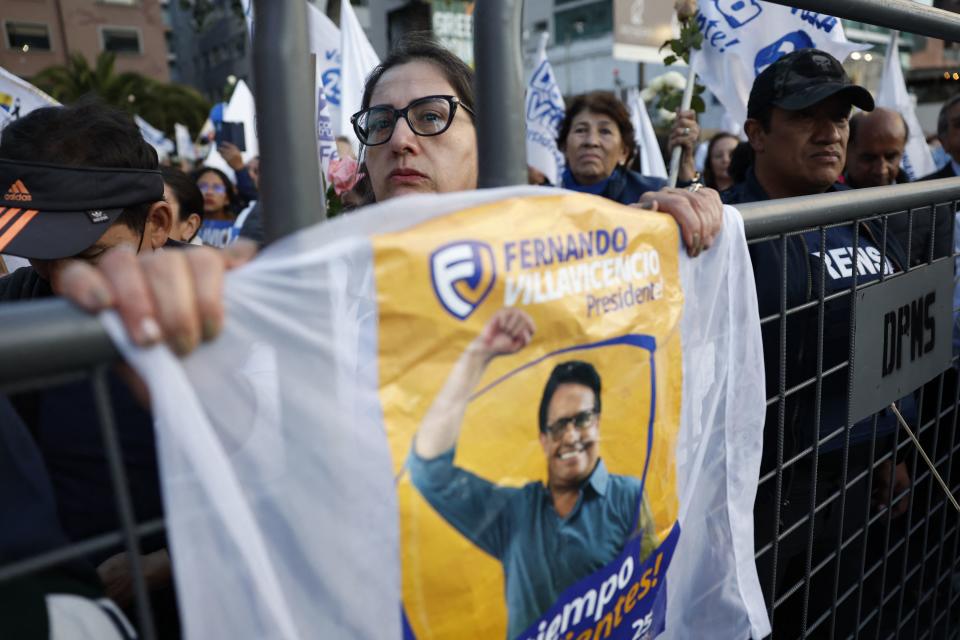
(277, 477)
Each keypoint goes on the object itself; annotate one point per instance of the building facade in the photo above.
(211, 50)
(41, 33)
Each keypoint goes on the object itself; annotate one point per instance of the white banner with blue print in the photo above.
(741, 38)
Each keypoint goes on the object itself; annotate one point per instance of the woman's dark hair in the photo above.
(185, 190)
(87, 133)
(416, 47)
(233, 198)
(709, 177)
(570, 372)
(741, 160)
(603, 102)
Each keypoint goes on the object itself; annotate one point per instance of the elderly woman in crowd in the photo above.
(598, 142)
(418, 133)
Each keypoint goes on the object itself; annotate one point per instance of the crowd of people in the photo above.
(121, 241)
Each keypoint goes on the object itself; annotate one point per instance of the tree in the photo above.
(160, 104)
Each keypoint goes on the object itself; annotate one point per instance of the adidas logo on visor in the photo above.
(18, 191)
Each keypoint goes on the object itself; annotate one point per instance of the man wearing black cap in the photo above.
(76, 182)
(798, 127)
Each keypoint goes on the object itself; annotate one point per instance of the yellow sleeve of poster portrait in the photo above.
(587, 271)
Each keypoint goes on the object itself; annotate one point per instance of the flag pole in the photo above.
(684, 105)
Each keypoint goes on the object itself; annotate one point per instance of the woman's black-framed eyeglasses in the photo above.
(427, 116)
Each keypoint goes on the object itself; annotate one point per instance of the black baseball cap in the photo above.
(50, 211)
(803, 78)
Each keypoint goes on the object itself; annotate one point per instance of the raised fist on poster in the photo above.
(507, 332)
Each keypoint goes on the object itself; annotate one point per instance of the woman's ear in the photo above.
(159, 224)
(190, 226)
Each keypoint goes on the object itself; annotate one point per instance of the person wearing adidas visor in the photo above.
(81, 196)
(76, 184)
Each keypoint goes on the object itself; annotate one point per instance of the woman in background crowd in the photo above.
(186, 204)
(716, 174)
(220, 207)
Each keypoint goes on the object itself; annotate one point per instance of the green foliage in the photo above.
(160, 104)
(334, 203)
(671, 101)
(691, 39)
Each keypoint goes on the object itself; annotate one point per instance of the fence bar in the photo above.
(48, 337)
(902, 15)
(76, 550)
(499, 87)
(773, 217)
(123, 502)
(290, 173)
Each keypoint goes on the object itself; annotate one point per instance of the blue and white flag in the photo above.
(326, 140)
(651, 159)
(155, 137)
(185, 148)
(741, 38)
(544, 113)
(325, 40)
(247, 6)
(359, 59)
(917, 159)
(18, 98)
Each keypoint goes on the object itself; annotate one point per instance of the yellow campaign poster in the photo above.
(530, 380)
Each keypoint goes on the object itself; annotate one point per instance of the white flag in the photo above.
(741, 38)
(651, 159)
(917, 159)
(18, 98)
(155, 137)
(359, 59)
(184, 143)
(241, 108)
(544, 113)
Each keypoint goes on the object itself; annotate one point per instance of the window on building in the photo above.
(584, 21)
(27, 36)
(120, 40)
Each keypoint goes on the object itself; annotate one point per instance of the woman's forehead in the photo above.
(593, 117)
(404, 83)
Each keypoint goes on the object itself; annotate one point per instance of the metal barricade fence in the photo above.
(904, 577)
(832, 561)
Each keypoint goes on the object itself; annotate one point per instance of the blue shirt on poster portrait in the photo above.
(542, 554)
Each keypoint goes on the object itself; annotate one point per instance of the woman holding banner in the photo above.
(436, 152)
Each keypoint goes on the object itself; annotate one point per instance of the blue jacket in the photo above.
(623, 185)
(803, 278)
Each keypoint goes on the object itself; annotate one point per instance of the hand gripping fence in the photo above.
(905, 567)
